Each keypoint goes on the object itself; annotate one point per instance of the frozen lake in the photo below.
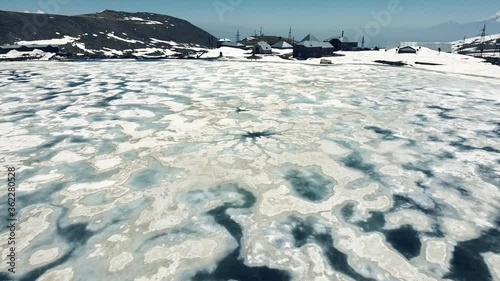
(220, 171)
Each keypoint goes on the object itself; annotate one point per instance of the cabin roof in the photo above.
(309, 37)
(282, 44)
(264, 45)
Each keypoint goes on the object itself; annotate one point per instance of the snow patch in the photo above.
(172, 43)
(55, 41)
(35, 54)
(141, 20)
(112, 35)
(111, 52)
(82, 47)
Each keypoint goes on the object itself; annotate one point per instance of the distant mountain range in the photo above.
(445, 32)
(107, 32)
(495, 18)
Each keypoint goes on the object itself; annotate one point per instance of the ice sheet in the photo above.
(173, 170)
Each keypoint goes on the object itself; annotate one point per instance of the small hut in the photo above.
(407, 50)
(262, 48)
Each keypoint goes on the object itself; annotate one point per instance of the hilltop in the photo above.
(107, 32)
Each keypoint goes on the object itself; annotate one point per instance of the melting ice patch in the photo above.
(310, 184)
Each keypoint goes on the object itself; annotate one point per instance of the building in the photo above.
(282, 45)
(342, 43)
(262, 48)
(407, 50)
(310, 37)
(444, 46)
(233, 45)
(270, 39)
(327, 49)
(222, 41)
(349, 46)
(335, 42)
(28, 48)
(310, 47)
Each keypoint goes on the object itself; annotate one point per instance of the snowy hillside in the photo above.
(106, 33)
(425, 59)
(472, 46)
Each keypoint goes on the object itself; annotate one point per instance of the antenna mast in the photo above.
(238, 35)
(483, 35)
(290, 34)
(460, 48)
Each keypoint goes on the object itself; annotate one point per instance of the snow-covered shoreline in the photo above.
(425, 59)
(449, 63)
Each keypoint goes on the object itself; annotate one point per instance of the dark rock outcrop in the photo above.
(104, 31)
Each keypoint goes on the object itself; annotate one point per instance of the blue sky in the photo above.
(222, 17)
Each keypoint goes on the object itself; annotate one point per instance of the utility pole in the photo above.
(483, 35)
(497, 47)
(462, 47)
